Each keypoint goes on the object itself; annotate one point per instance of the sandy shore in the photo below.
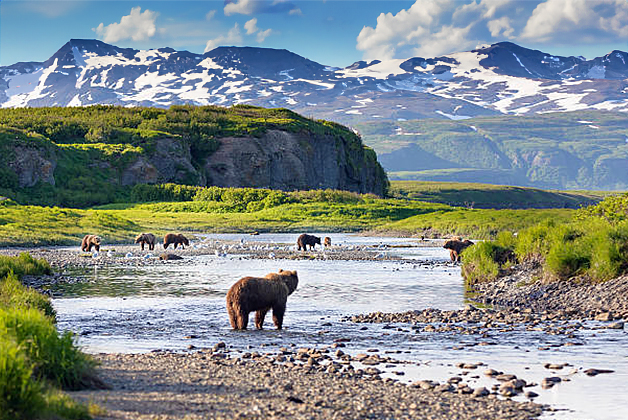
(210, 385)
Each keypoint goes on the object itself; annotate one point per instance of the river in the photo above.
(121, 308)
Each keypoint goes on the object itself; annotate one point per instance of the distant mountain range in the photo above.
(502, 78)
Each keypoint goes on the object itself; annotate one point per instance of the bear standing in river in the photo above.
(146, 238)
(260, 294)
(90, 241)
(176, 239)
(455, 246)
(306, 239)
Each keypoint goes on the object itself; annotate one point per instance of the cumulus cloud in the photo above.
(262, 35)
(251, 26)
(249, 7)
(500, 27)
(601, 19)
(138, 26)
(233, 37)
(436, 27)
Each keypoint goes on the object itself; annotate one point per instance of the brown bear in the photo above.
(327, 241)
(306, 239)
(455, 246)
(176, 239)
(260, 294)
(146, 238)
(90, 241)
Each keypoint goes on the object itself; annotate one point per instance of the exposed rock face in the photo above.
(33, 165)
(277, 160)
(288, 161)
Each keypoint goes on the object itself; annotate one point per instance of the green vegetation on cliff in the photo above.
(84, 156)
(593, 246)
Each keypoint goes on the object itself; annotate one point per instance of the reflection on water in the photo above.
(129, 309)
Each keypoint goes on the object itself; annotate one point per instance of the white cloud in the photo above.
(443, 26)
(296, 11)
(500, 27)
(242, 7)
(249, 7)
(590, 20)
(262, 35)
(251, 26)
(233, 37)
(210, 15)
(138, 26)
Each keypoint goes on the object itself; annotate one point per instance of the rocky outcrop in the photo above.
(290, 161)
(277, 159)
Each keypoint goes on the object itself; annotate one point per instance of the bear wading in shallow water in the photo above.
(176, 239)
(455, 246)
(306, 239)
(89, 242)
(327, 241)
(146, 238)
(259, 295)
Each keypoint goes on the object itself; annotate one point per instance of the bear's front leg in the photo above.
(259, 318)
(243, 320)
(278, 311)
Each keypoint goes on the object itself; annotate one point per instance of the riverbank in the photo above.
(211, 384)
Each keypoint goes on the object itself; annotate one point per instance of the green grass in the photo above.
(473, 195)
(35, 360)
(589, 246)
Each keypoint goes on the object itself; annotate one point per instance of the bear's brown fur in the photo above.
(260, 294)
(90, 241)
(169, 257)
(306, 239)
(327, 241)
(455, 246)
(146, 238)
(176, 239)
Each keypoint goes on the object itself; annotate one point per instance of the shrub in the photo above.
(54, 357)
(479, 263)
(13, 294)
(20, 394)
(22, 265)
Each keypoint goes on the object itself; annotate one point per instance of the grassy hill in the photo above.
(488, 196)
(577, 150)
(83, 156)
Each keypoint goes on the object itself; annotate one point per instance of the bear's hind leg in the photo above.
(259, 318)
(243, 320)
(278, 312)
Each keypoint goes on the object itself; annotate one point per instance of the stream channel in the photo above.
(129, 309)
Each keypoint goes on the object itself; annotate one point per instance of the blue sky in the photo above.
(331, 32)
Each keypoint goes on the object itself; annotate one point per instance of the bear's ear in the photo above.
(281, 270)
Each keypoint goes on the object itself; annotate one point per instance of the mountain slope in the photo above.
(502, 78)
(575, 150)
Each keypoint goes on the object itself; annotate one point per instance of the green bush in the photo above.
(20, 395)
(22, 265)
(13, 294)
(54, 357)
(481, 262)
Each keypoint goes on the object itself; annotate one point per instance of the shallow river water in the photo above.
(140, 309)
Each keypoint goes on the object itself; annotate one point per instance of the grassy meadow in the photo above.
(164, 208)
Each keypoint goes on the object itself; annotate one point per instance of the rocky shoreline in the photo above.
(211, 384)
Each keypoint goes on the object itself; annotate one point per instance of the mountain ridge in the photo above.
(503, 78)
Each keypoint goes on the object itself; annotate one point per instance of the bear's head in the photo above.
(184, 240)
(290, 278)
(139, 238)
(97, 239)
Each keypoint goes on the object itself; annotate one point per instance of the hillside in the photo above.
(93, 155)
(575, 150)
(487, 196)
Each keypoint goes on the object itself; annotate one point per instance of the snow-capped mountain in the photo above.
(502, 78)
